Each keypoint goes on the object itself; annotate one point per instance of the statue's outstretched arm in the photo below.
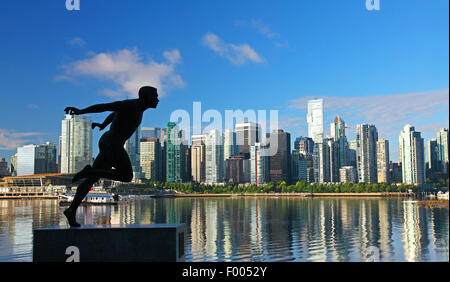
(107, 121)
(113, 107)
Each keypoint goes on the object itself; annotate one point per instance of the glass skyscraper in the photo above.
(315, 120)
(366, 153)
(76, 143)
(411, 155)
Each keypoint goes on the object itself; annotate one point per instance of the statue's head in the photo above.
(149, 96)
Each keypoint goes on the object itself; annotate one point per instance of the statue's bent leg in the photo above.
(122, 170)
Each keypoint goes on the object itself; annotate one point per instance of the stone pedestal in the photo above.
(110, 243)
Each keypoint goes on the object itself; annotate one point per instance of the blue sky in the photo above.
(388, 67)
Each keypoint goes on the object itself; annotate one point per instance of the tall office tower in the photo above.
(348, 174)
(76, 143)
(412, 157)
(280, 163)
(322, 173)
(176, 154)
(383, 160)
(338, 134)
(442, 144)
(366, 153)
(299, 166)
(214, 157)
(315, 120)
(334, 159)
(150, 158)
(59, 154)
(304, 145)
(150, 132)
(230, 147)
(162, 136)
(433, 156)
(36, 159)
(259, 165)
(247, 134)
(3, 167)
(187, 166)
(132, 146)
(351, 153)
(13, 167)
(198, 158)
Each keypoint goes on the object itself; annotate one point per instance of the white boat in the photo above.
(442, 195)
(99, 198)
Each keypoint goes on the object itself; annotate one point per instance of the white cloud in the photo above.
(10, 140)
(127, 69)
(236, 54)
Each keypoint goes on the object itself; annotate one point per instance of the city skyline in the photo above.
(359, 66)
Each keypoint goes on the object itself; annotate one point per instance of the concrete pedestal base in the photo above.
(110, 243)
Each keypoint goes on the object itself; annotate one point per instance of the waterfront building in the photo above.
(198, 158)
(411, 155)
(230, 147)
(247, 134)
(176, 154)
(348, 174)
(3, 167)
(442, 145)
(150, 158)
(36, 159)
(162, 136)
(76, 143)
(132, 147)
(334, 154)
(259, 165)
(214, 157)
(315, 120)
(321, 160)
(433, 156)
(280, 162)
(337, 129)
(366, 153)
(383, 160)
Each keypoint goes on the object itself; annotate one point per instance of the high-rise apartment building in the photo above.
(383, 160)
(442, 146)
(351, 153)
(230, 147)
(214, 157)
(150, 132)
(299, 166)
(411, 155)
(259, 165)
(76, 143)
(366, 153)
(198, 158)
(433, 156)
(337, 130)
(334, 154)
(315, 120)
(321, 160)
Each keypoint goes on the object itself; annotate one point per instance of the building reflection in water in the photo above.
(256, 228)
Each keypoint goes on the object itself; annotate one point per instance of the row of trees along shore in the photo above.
(281, 187)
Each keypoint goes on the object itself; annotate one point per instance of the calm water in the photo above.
(256, 229)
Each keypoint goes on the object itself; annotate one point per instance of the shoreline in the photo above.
(298, 195)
